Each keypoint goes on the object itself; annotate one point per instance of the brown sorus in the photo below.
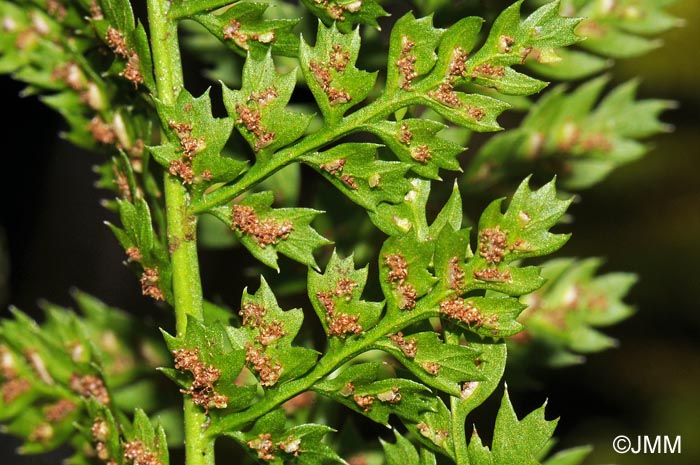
(489, 70)
(150, 280)
(264, 446)
(457, 309)
(407, 63)
(268, 372)
(116, 42)
(492, 244)
(408, 347)
(458, 65)
(398, 268)
(338, 58)
(493, 275)
(456, 275)
(421, 154)
(364, 402)
(446, 95)
(349, 181)
(406, 135)
(340, 324)
(409, 295)
(59, 410)
(101, 131)
(334, 167)
(136, 452)
(265, 232)
(90, 386)
(432, 368)
(13, 388)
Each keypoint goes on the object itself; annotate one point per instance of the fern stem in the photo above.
(186, 281)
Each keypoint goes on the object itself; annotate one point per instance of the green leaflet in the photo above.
(346, 13)
(258, 108)
(195, 142)
(359, 388)
(514, 441)
(115, 439)
(412, 263)
(265, 231)
(415, 142)
(266, 336)
(356, 170)
(400, 453)
(272, 441)
(562, 314)
(573, 456)
(582, 141)
(127, 39)
(208, 348)
(330, 72)
(336, 298)
(437, 364)
(618, 30)
(51, 372)
(243, 29)
(142, 246)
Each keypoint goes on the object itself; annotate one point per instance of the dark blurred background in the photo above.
(645, 218)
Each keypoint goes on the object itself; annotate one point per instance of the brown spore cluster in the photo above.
(116, 41)
(100, 435)
(445, 91)
(405, 136)
(202, 388)
(136, 453)
(232, 31)
(392, 397)
(432, 368)
(493, 275)
(335, 168)
(190, 146)
(265, 232)
(505, 44)
(59, 410)
(254, 317)
(150, 280)
(338, 60)
(133, 254)
(398, 274)
(489, 70)
(101, 131)
(408, 347)
(458, 65)
(89, 386)
(455, 278)
(457, 309)
(268, 372)
(336, 11)
(493, 244)
(13, 388)
(364, 402)
(264, 446)
(339, 324)
(407, 63)
(421, 154)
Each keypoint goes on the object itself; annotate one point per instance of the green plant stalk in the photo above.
(187, 286)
